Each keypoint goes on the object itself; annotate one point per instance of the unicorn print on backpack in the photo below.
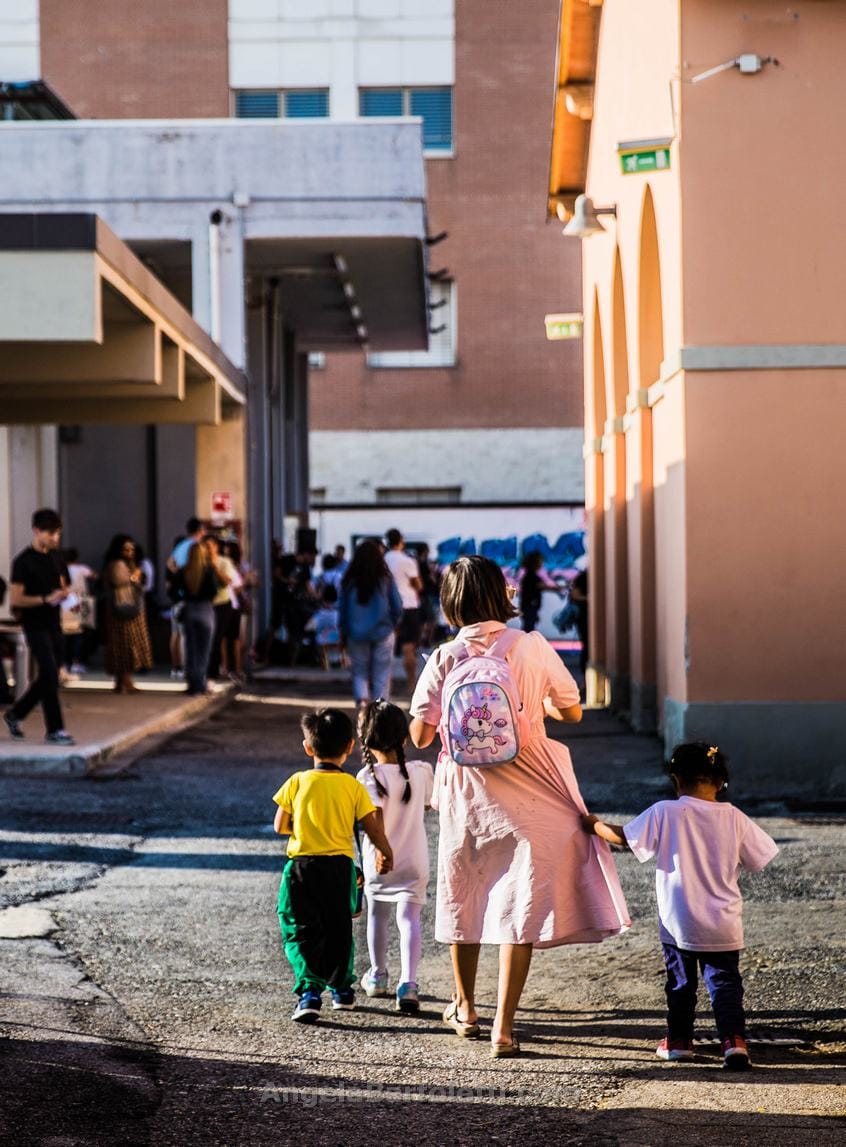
(477, 729)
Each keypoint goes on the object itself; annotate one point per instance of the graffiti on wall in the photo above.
(563, 558)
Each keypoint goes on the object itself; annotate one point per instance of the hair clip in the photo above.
(712, 752)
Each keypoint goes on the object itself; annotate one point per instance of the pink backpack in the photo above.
(483, 719)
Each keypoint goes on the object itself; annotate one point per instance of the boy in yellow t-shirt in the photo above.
(317, 896)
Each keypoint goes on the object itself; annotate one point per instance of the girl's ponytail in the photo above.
(371, 764)
(400, 751)
(384, 726)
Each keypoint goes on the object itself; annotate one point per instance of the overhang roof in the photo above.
(297, 194)
(89, 334)
(578, 40)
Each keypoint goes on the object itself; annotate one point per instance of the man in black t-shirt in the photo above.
(39, 584)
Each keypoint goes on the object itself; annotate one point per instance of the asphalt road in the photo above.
(144, 998)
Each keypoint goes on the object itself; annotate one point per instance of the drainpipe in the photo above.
(215, 220)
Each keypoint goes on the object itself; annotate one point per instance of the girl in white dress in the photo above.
(403, 791)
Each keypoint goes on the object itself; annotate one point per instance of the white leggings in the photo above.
(411, 943)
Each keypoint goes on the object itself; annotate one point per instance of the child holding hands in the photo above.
(403, 791)
(699, 845)
(317, 897)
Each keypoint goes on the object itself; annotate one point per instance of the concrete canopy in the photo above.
(90, 335)
(333, 213)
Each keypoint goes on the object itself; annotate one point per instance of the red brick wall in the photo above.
(117, 59)
(510, 265)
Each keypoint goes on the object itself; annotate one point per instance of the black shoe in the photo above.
(60, 737)
(14, 726)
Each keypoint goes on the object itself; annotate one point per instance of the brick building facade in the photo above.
(507, 409)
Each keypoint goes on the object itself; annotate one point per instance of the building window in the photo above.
(433, 104)
(418, 495)
(443, 331)
(294, 104)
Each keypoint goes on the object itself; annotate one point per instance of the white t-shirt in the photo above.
(79, 575)
(405, 830)
(699, 848)
(404, 567)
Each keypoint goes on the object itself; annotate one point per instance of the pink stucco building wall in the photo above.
(715, 354)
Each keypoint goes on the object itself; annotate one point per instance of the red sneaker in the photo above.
(735, 1053)
(674, 1049)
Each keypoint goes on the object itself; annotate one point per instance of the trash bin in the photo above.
(15, 636)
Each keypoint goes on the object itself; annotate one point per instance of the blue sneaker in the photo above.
(407, 999)
(307, 1010)
(344, 1000)
(376, 986)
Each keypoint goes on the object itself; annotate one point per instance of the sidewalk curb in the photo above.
(89, 759)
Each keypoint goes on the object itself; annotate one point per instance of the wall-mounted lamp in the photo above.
(585, 221)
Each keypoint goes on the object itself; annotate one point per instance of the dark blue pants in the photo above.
(198, 619)
(721, 974)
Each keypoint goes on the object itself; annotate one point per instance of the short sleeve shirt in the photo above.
(403, 568)
(39, 574)
(699, 848)
(180, 553)
(226, 566)
(324, 805)
(404, 827)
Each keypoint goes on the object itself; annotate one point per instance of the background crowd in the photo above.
(358, 613)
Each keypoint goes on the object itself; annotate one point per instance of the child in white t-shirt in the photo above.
(403, 791)
(699, 845)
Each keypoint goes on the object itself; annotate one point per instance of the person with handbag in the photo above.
(128, 647)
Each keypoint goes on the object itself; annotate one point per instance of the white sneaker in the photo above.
(376, 986)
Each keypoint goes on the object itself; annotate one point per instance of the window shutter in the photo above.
(307, 105)
(435, 106)
(380, 101)
(257, 105)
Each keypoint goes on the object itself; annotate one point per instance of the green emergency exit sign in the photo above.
(563, 327)
(648, 155)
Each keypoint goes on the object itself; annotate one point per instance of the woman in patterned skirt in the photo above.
(128, 646)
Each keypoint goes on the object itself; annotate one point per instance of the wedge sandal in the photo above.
(505, 1050)
(465, 1030)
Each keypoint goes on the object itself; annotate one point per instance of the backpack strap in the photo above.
(501, 646)
(504, 642)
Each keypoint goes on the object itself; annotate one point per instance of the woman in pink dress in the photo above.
(514, 866)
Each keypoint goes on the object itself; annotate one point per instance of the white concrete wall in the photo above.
(531, 464)
(341, 45)
(20, 41)
(28, 482)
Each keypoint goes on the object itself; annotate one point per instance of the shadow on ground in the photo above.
(69, 1091)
